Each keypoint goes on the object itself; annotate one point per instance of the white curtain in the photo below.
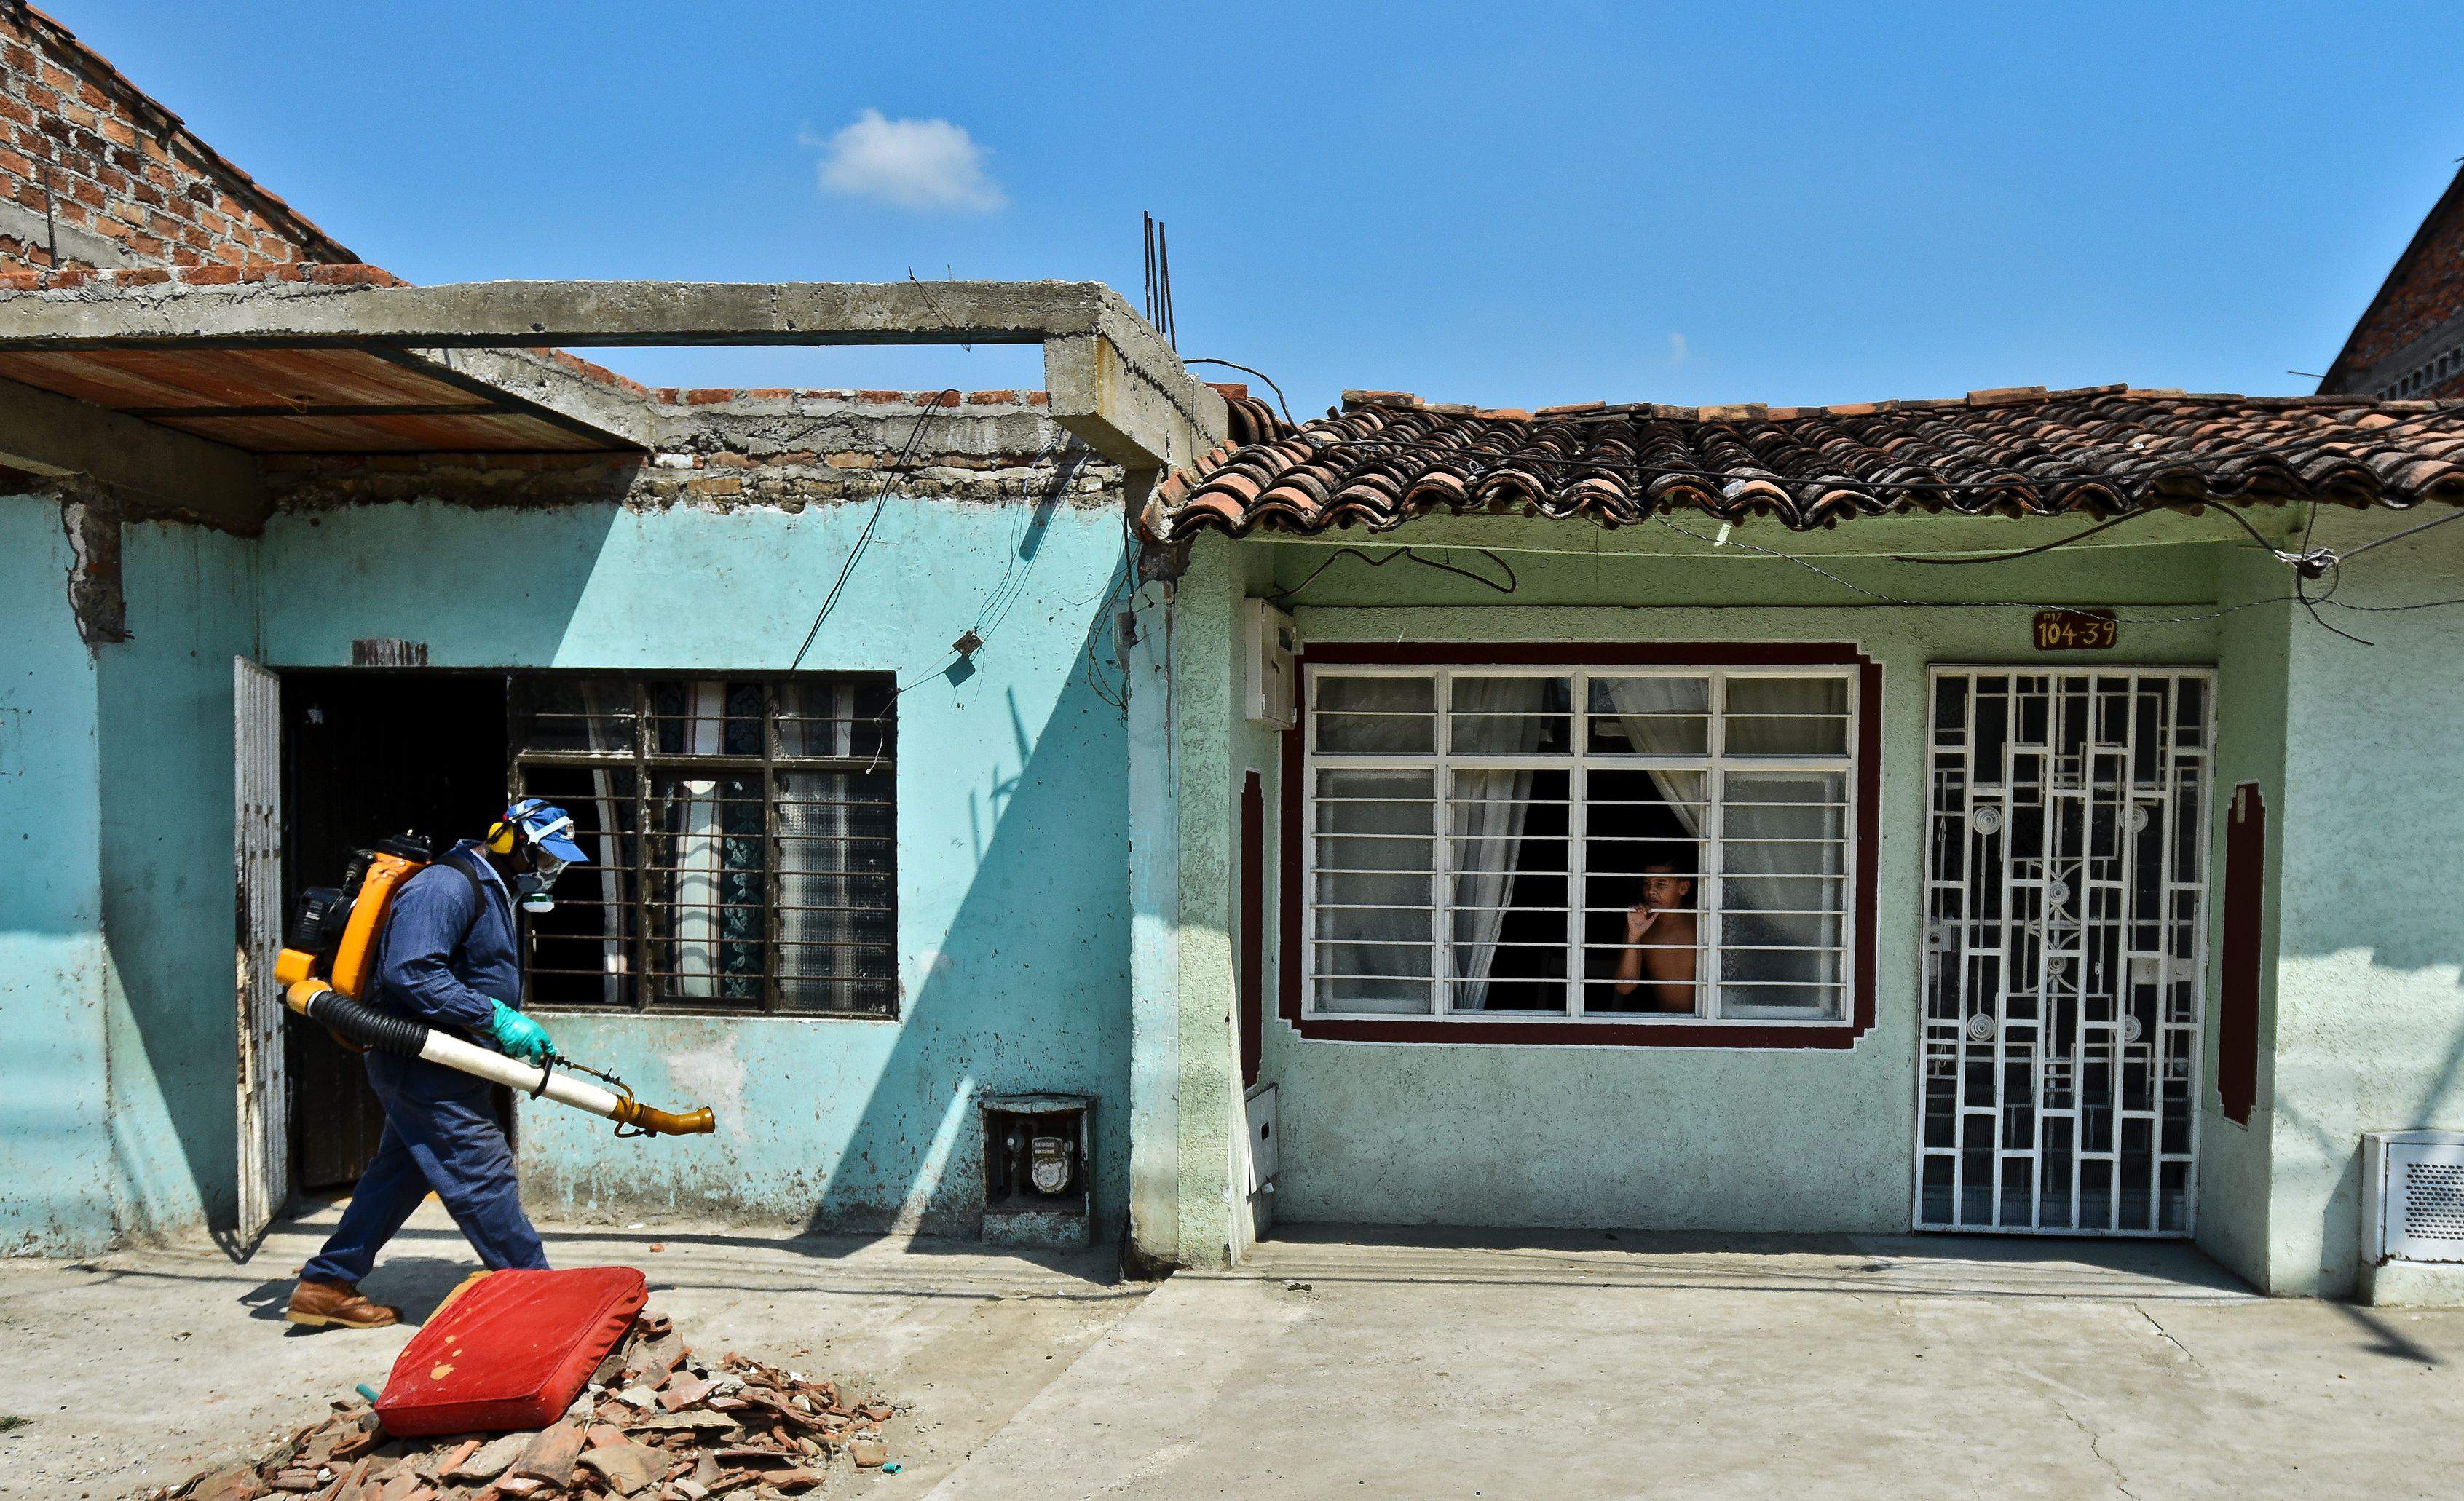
(699, 857)
(1374, 835)
(1486, 823)
(1374, 832)
(1771, 913)
(1788, 716)
(1661, 716)
(610, 725)
(823, 896)
(1666, 716)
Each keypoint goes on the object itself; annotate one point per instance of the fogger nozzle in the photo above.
(387, 1032)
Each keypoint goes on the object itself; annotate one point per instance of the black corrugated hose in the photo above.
(366, 1026)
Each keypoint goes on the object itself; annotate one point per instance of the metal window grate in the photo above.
(1476, 837)
(743, 842)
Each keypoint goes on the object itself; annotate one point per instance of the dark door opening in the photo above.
(367, 754)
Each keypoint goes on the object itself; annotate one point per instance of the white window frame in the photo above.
(1577, 760)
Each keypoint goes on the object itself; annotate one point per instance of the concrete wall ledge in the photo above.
(2413, 1284)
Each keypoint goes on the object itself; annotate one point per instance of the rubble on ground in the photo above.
(656, 1422)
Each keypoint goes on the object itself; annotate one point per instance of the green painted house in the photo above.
(2003, 815)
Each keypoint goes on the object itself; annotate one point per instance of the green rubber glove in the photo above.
(517, 1034)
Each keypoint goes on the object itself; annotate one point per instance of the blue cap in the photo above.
(547, 826)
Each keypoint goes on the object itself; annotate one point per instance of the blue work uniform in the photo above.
(449, 947)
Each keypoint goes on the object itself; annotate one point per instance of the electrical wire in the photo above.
(2307, 563)
(1509, 587)
(2030, 551)
(864, 538)
(2400, 536)
(1245, 370)
(1880, 598)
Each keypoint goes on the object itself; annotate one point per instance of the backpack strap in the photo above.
(478, 896)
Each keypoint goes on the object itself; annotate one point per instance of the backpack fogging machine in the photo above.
(330, 951)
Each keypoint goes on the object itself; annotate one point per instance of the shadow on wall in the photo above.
(981, 1019)
(2340, 1214)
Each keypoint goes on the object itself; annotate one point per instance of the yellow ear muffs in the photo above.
(501, 837)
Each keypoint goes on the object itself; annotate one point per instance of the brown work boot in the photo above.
(323, 1304)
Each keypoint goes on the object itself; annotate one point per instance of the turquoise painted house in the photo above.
(848, 880)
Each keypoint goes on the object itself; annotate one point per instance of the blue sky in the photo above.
(1687, 203)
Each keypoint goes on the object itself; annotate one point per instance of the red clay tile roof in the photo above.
(1249, 419)
(1388, 457)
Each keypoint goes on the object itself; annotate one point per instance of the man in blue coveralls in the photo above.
(448, 956)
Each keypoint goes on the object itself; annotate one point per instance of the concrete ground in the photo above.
(1361, 1363)
(1584, 1365)
(144, 1366)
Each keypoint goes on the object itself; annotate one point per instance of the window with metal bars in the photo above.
(742, 834)
(1625, 844)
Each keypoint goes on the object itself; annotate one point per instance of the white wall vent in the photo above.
(1265, 1154)
(1270, 639)
(2413, 1188)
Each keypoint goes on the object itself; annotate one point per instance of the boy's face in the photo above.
(1664, 889)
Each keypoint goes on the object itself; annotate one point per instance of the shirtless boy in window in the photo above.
(1660, 935)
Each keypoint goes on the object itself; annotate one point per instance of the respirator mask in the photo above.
(544, 834)
(533, 885)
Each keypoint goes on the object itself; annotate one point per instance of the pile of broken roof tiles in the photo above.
(656, 1424)
(1386, 457)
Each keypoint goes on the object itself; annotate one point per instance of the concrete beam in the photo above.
(159, 470)
(576, 314)
(1113, 381)
(540, 382)
(1122, 390)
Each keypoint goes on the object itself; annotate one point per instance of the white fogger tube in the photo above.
(367, 1027)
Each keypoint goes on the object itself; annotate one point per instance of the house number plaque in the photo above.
(2075, 630)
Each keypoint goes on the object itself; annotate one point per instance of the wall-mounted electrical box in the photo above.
(2412, 1183)
(1039, 1183)
(1262, 1158)
(1270, 639)
(2412, 1217)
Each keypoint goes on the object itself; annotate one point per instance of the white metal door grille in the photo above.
(2064, 950)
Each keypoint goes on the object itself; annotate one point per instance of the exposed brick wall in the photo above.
(2427, 290)
(757, 447)
(2424, 290)
(128, 184)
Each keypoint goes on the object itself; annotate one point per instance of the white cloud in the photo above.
(1676, 349)
(910, 163)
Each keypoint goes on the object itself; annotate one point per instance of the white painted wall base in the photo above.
(2413, 1284)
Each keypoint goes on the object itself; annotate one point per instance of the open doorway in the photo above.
(368, 753)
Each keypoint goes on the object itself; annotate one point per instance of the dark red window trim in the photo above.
(2243, 955)
(1593, 1035)
(1253, 927)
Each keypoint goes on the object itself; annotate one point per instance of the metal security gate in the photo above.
(2064, 948)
